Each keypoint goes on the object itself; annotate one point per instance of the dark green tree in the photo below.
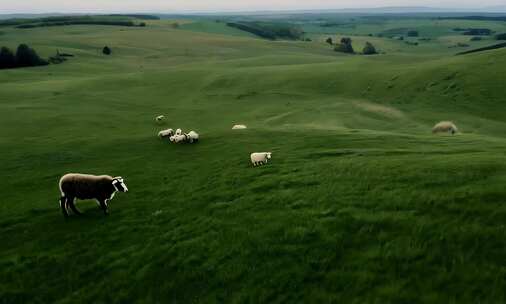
(7, 58)
(26, 57)
(369, 49)
(345, 46)
(107, 50)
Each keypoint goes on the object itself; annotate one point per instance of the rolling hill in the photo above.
(361, 203)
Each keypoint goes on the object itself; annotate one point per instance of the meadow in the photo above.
(359, 204)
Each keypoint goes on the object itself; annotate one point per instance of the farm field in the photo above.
(360, 202)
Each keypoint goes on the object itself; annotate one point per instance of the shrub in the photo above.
(26, 56)
(412, 33)
(7, 58)
(57, 59)
(369, 49)
(478, 32)
(329, 41)
(106, 50)
(142, 24)
(501, 36)
(345, 46)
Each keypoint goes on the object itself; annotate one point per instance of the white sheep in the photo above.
(166, 133)
(178, 138)
(159, 118)
(192, 137)
(260, 158)
(179, 132)
(239, 127)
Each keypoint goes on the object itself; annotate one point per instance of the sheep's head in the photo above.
(119, 184)
(269, 155)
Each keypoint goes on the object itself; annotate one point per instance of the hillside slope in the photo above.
(361, 203)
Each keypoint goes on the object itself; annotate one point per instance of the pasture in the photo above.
(360, 203)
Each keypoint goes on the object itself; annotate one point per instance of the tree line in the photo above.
(345, 46)
(270, 31)
(24, 56)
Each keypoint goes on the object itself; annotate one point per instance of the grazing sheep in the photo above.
(445, 127)
(239, 127)
(84, 186)
(178, 138)
(260, 158)
(179, 132)
(192, 137)
(166, 133)
(159, 118)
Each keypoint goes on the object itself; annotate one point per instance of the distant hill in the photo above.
(118, 20)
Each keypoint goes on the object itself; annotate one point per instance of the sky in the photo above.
(171, 6)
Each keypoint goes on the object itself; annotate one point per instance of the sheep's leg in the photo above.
(63, 202)
(103, 205)
(72, 205)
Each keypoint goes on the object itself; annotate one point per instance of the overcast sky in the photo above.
(168, 6)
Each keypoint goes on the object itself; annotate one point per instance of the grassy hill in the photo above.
(361, 203)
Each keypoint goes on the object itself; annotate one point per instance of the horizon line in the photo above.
(428, 9)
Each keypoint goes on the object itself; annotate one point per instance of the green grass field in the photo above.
(360, 203)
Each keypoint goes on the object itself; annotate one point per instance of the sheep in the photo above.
(179, 132)
(102, 188)
(239, 127)
(260, 158)
(445, 126)
(178, 138)
(192, 137)
(166, 133)
(159, 118)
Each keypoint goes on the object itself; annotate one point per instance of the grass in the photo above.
(359, 204)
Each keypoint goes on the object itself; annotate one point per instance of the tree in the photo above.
(107, 50)
(26, 57)
(500, 36)
(142, 24)
(329, 41)
(369, 49)
(7, 58)
(345, 46)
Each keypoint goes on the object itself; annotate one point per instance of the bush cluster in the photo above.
(24, 57)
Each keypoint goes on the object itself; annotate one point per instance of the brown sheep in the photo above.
(84, 186)
(445, 127)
